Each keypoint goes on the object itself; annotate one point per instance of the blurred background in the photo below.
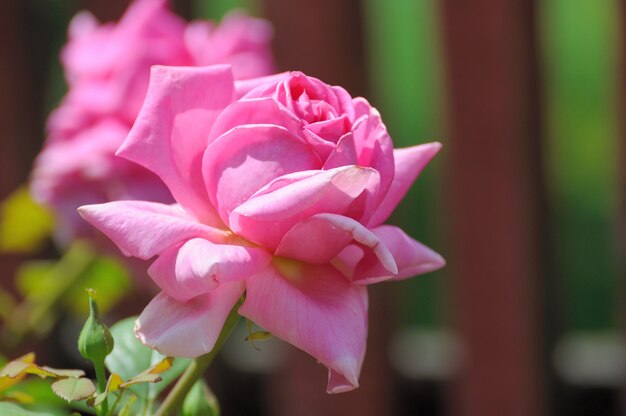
(525, 201)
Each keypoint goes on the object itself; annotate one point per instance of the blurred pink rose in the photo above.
(285, 201)
(107, 68)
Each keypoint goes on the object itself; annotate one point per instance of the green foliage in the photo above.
(73, 389)
(141, 368)
(200, 401)
(130, 358)
(11, 409)
(24, 224)
(68, 384)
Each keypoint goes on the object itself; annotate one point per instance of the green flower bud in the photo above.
(95, 341)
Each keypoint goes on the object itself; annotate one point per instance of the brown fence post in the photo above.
(492, 165)
(323, 38)
(20, 107)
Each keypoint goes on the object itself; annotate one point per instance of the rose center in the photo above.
(292, 270)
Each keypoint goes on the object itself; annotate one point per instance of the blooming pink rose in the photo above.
(108, 68)
(283, 185)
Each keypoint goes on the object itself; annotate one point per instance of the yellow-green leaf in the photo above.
(114, 383)
(14, 368)
(73, 388)
(24, 224)
(141, 378)
(62, 372)
(163, 365)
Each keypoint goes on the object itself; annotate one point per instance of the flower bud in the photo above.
(95, 341)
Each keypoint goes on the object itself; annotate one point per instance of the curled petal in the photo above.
(267, 216)
(145, 229)
(316, 309)
(319, 239)
(258, 87)
(374, 147)
(412, 257)
(409, 162)
(170, 134)
(254, 111)
(187, 329)
(343, 154)
(244, 159)
(199, 266)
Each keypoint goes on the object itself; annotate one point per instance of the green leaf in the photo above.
(39, 390)
(200, 401)
(72, 389)
(130, 358)
(24, 224)
(10, 409)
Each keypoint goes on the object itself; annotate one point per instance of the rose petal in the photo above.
(344, 153)
(170, 134)
(246, 158)
(199, 266)
(254, 111)
(317, 310)
(266, 217)
(409, 162)
(320, 238)
(187, 329)
(412, 257)
(332, 129)
(375, 149)
(145, 229)
(259, 87)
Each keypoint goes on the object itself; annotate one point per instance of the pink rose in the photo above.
(108, 69)
(283, 185)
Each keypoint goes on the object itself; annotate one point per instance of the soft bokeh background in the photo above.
(525, 200)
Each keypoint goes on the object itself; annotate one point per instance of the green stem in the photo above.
(176, 397)
(101, 380)
(117, 401)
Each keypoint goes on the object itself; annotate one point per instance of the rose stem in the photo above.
(175, 398)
